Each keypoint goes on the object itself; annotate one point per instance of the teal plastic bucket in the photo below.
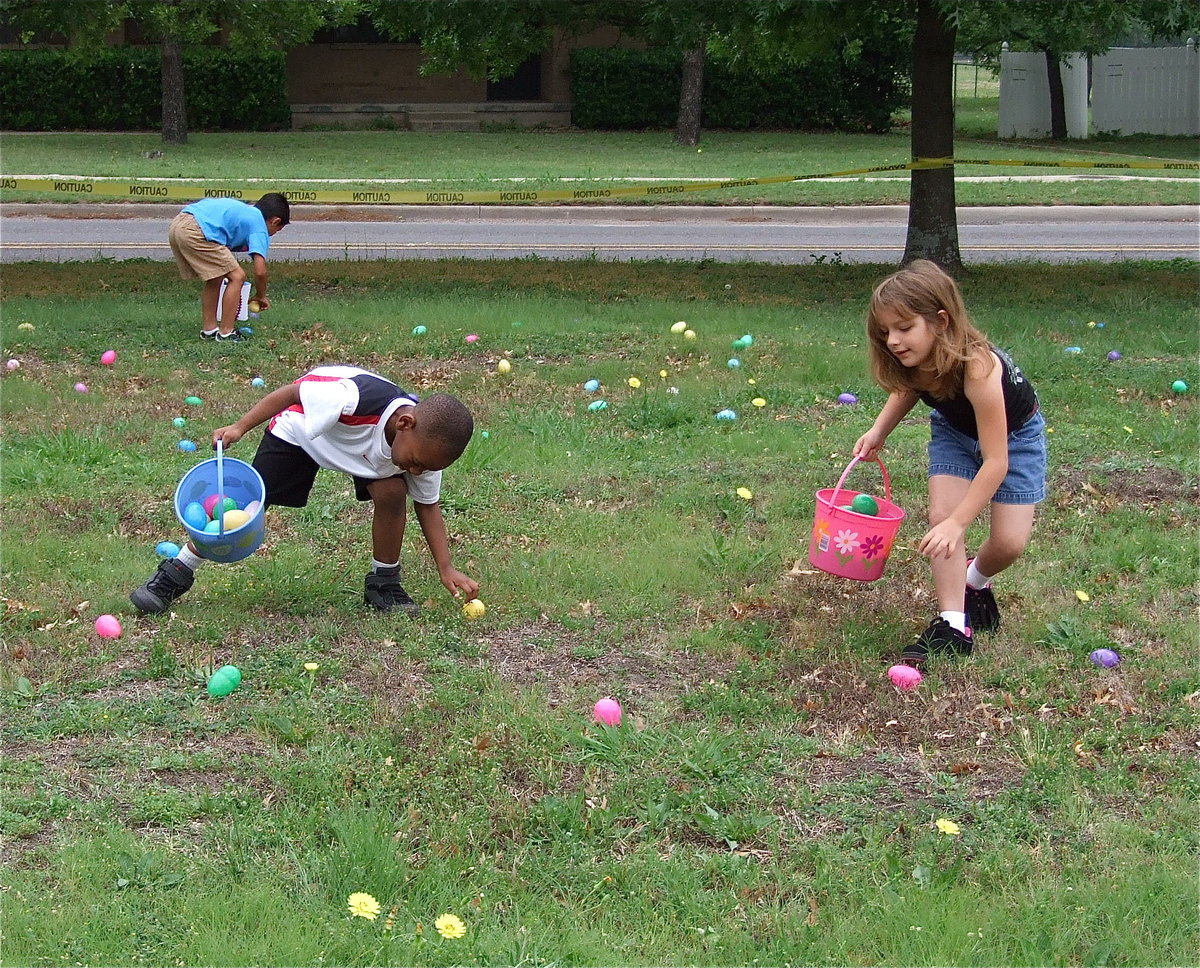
(233, 478)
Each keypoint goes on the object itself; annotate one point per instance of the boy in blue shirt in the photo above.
(204, 237)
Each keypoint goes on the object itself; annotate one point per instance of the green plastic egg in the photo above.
(864, 504)
(224, 681)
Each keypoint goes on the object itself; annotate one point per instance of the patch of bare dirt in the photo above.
(562, 662)
(1147, 487)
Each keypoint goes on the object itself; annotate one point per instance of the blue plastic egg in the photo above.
(213, 526)
(166, 549)
(597, 405)
(179, 423)
(187, 446)
(258, 381)
(194, 516)
(734, 363)
(246, 331)
(419, 331)
(592, 386)
(726, 415)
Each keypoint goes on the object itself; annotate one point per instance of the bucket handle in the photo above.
(887, 484)
(220, 445)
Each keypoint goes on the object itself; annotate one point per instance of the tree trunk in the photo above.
(1058, 107)
(174, 102)
(932, 219)
(691, 96)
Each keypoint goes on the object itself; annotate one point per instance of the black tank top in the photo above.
(1020, 400)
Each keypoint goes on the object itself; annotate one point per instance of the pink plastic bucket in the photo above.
(848, 544)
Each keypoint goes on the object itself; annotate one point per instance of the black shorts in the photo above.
(288, 472)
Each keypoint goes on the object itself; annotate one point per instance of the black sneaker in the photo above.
(383, 591)
(982, 613)
(156, 594)
(233, 337)
(209, 334)
(939, 638)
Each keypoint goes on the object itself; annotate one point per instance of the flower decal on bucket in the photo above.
(845, 541)
(872, 547)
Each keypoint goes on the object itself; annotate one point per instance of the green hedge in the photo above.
(120, 89)
(614, 88)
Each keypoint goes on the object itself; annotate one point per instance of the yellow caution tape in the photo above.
(148, 191)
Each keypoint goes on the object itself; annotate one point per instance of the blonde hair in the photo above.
(922, 289)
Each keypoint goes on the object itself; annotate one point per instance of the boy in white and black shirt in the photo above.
(393, 445)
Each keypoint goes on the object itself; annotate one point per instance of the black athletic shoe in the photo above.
(383, 591)
(940, 638)
(233, 337)
(209, 334)
(982, 613)
(156, 594)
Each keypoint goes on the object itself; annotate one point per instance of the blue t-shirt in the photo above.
(232, 223)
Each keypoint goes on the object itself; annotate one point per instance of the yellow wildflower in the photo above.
(1083, 596)
(759, 402)
(363, 906)
(634, 382)
(311, 666)
(449, 926)
(745, 493)
(948, 827)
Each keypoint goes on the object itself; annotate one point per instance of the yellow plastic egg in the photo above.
(474, 609)
(234, 518)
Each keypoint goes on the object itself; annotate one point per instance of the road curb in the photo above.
(784, 214)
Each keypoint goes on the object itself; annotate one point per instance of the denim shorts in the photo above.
(955, 454)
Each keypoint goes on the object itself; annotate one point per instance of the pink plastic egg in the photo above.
(607, 711)
(107, 627)
(81, 388)
(904, 677)
(108, 357)
(472, 338)
(13, 364)
(210, 502)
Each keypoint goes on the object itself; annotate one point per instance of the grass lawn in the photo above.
(769, 795)
(506, 161)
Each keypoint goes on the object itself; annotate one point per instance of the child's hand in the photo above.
(263, 303)
(227, 435)
(941, 540)
(459, 584)
(868, 445)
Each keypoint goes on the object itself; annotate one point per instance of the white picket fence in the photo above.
(1152, 90)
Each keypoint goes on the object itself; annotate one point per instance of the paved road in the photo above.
(725, 234)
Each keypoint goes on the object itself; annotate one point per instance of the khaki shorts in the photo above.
(196, 256)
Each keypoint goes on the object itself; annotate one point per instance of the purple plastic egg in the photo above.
(1113, 356)
(1105, 658)
(847, 398)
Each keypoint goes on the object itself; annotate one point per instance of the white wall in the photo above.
(1025, 95)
